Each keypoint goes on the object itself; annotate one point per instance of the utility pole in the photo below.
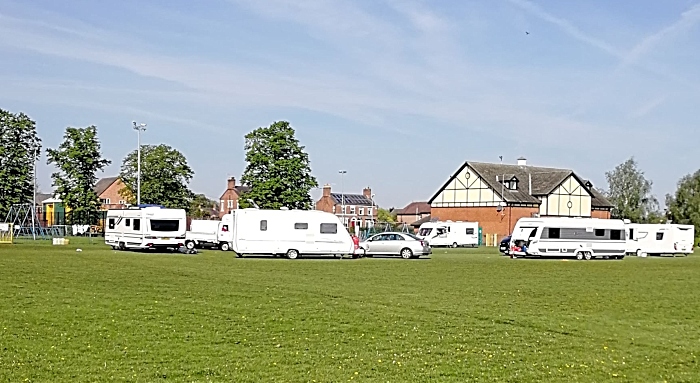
(34, 196)
(342, 194)
(138, 128)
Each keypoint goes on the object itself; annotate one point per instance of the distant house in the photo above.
(413, 212)
(497, 195)
(359, 208)
(229, 199)
(107, 190)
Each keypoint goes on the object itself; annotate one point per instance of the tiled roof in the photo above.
(103, 184)
(421, 221)
(242, 189)
(351, 199)
(544, 181)
(415, 208)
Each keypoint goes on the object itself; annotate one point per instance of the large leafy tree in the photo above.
(630, 193)
(165, 177)
(684, 205)
(20, 147)
(278, 171)
(78, 159)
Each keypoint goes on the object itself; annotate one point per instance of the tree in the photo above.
(20, 147)
(684, 205)
(384, 215)
(278, 171)
(201, 207)
(630, 193)
(165, 177)
(78, 160)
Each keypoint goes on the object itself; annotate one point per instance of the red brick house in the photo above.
(413, 212)
(107, 189)
(229, 199)
(497, 195)
(348, 206)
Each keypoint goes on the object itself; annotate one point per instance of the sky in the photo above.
(399, 93)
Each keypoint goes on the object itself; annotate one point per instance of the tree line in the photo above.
(278, 170)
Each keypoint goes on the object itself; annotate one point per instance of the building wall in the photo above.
(228, 202)
(112, 194)
(570, 199)
(466, 190)
(490, 220)
(603, 214)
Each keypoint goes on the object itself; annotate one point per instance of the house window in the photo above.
(513, 185)
(111, 223)
(616, 235)
(137, 224)
(105, 201)
(362, 211)
(236, 204)
(329, 228)
(301, 226)
(263, 225)
(230, 204)
(659, 236)
(333, 209)
(122, 202)
(222, 204)
(345, 209)
(600, 232)
(127, 222)
(369, 211)
(352, 209)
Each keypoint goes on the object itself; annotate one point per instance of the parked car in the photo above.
(393, 243)
(505, 244)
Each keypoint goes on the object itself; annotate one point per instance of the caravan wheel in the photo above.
(454, 245)
(292, 254)
(579, 255)
(588, 255)
(224, 246)
(189, 245)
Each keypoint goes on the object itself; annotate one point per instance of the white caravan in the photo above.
(292, 233)
(145, 228)
(658, 239)
(449, 233)
(203, 232)
(583, 238)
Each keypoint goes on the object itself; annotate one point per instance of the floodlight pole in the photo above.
(34, 195)
(139, 128)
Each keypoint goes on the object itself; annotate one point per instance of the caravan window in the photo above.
(329, 228)
(631, 233)
(554, 232)
(470, 231)
(127, 222)
(600, 232)
(301, 226)
(659, 236)
(111, 223)
(616, 235)
(137, 224)
(425, 231)
(263, 225)
(165, 225)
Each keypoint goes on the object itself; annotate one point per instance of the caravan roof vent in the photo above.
(284, 208)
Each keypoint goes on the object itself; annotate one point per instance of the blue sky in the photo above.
(398, 93)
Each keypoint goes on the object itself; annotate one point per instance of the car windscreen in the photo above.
(165, 225)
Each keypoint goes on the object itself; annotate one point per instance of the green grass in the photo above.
(464, 315)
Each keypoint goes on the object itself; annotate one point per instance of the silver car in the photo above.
(393, 243)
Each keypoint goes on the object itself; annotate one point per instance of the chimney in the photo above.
(231, 183)
(522, 161)
(367, 192)
(326, 190)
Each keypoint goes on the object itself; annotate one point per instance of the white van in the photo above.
(449, 233)
(148, 227)
(658, 239)
(292, 233)
(583, 238)
(202, 233)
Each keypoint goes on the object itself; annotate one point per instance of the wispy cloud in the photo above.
(648, 107)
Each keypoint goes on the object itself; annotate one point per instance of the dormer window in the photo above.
(513, 184)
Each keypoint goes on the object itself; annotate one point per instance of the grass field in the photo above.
(461, 316)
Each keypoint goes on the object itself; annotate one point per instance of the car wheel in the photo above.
(224, 246)
(406, 253)
(292, 254)
(189, 245)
